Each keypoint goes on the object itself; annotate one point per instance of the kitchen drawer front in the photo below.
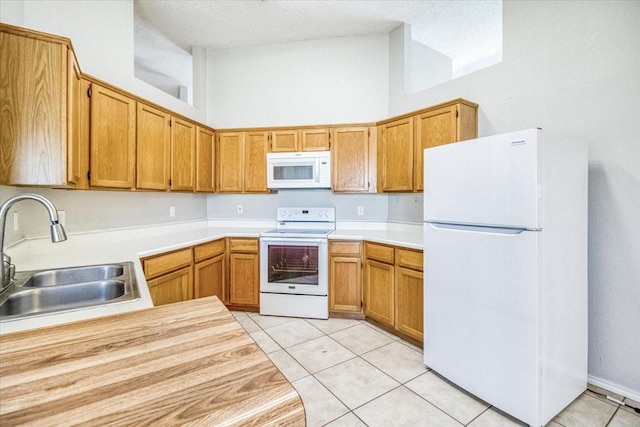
(243, 245)
(409, 259)
(380, 253)
(208, 250)
(162, 264)
(345, 248)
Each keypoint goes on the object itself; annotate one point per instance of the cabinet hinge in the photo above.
(170, 124)
(89, 175)
(169, 183)
(89, 92)
(456, 114)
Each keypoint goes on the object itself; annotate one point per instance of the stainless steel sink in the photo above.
(71, 275)
(57, 290)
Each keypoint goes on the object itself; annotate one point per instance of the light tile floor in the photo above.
(351, 373)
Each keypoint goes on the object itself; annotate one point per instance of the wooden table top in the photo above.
(189, 363)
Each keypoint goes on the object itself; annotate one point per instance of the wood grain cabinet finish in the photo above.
(402, 141)
(284, 140)
(314, 139)
(113, 138)
(409, 317)
(153, 145)
(183, 154)
(352, 159)
(379, 300)
(39, 109)
(242, 161)
(170, 276)
(210, 270)
(205, 161)
(395, 156)
(244, 272)
(345, 278)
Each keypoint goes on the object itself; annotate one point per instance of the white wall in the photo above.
(573, 68)
(102, 34)
(339, 80)
(427, 67)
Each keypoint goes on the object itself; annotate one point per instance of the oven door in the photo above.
(294, 265)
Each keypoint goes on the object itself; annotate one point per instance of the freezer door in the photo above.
(480, 314)
(492, 180)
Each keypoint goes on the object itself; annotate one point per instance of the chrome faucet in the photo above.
(8, 270)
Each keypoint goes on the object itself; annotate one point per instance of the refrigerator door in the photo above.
(492, 180)
(481, 313)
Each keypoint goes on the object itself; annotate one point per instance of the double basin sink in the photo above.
(56, 290)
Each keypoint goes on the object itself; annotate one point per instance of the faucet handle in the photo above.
(12, 272)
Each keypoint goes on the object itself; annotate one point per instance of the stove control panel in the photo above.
(307, 214)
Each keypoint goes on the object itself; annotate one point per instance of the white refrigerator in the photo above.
(505, 270)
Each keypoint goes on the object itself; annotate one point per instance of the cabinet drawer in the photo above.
(345, 248)
(381, 253)
(243, 245)
(409, 259)
(161, 264)
(208, 250)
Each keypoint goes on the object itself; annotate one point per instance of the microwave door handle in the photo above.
(317, 170)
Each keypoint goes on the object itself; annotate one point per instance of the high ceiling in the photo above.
(454, 28)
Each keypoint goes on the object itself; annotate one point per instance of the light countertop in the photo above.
(131, 244)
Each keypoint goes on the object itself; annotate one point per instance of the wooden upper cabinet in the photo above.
(229, 161)
(205, 160)
(395, 151)
(350, 159)
(38, 109)
(314, 139)
(75, 152)
(255, 161)
(153, 148)
(183, 154)
(284, 140)
(113, 138)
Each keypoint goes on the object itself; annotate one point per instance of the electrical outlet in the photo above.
(360, 210)
(172, 211)
(62, 218)
(16, 221)
(240, 208)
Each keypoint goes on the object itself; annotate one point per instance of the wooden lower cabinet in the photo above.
(210, 270)
(244, 272)
(172, 287)
(345, 278)
(394, 288)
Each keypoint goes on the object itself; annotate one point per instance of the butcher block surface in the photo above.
(188, 363)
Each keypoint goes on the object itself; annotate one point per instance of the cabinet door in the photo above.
(74, 102)
(314, 139)
(210, 278)
(395, 163)
(33, 111)
(379, 291)
(350, 159)
(409, 302)
(230, 156)
(284, 140)
(205, 161)
(244, 279)
(183, 154)
(345, 284)
(153, 148)
(256, 145)
(172, 287)
(433, 128)
(113, 138)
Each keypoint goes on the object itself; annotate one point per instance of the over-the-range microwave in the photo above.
(309, 169)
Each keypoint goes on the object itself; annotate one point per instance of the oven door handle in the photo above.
(290, 240)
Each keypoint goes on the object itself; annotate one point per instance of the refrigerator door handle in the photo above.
(481, 228)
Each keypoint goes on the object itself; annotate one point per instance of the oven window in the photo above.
(293, 264)
(285, 173)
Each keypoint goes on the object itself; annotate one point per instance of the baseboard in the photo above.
(616, 388)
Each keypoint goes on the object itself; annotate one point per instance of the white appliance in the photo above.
(294, 263)
(299, 170)
(505, 270)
